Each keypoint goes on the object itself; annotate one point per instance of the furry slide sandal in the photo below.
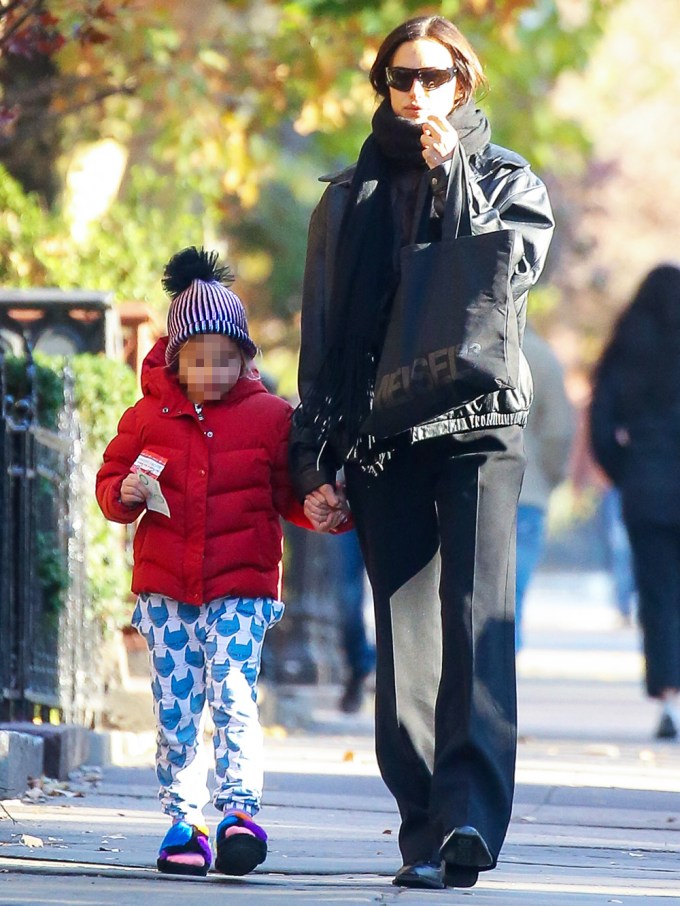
(185, 850)
(241, 844)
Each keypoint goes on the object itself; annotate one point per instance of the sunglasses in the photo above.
(401, 78)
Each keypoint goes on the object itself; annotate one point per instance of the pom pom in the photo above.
(193, 264)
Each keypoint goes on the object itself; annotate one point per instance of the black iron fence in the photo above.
(49, 640)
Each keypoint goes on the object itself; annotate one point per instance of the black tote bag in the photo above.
(452, 334)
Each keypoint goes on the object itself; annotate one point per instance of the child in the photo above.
(202, 458)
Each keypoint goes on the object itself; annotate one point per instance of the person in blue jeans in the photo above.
(620, 556)
(547, 440)
(530, 546)
(358, 650)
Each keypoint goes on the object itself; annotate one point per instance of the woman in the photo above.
(635, 432)
(435, 506)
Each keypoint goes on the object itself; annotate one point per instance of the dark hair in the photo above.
(470, 73)
(653, 310)
(645, 343)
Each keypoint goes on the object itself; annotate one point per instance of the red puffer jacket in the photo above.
(225, 481)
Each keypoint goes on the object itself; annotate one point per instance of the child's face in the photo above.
(209, 366)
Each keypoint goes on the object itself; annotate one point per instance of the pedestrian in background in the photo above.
(635, 431)
(358, 650)
(592, 491)
(548, 437)
(202, 459)
(619, 554)
(435, 506)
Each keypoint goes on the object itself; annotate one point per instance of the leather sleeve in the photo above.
(515, 198)
(315, 293)
(312, 465)
(284, 496)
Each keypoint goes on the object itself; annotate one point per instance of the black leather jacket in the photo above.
(504, 193)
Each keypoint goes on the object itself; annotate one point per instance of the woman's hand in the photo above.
(132, 491)
(439, 140)
(326, 508)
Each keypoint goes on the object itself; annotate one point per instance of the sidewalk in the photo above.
(596, 817)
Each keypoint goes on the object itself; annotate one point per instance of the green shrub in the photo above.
(102, 390)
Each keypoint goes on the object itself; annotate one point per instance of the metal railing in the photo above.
(49, 640)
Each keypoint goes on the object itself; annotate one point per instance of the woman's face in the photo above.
(417, 103)
(209, 366)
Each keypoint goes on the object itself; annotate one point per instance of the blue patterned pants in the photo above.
(197, 654)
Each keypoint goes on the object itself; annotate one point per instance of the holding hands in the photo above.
(326, 508)
(439, 140)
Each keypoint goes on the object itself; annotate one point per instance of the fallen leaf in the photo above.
(276, 732)
(86, 774)
(348, 756)
(387, 831)
(33, 842)
(602, 750)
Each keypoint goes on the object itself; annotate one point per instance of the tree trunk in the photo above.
(30, 150)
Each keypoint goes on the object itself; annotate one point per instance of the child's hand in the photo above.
(132, 491)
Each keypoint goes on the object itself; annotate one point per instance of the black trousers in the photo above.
(656, 559)
(437, 529)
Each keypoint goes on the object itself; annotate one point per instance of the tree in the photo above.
(621, 212)
(226, 111)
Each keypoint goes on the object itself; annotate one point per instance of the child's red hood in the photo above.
(153, 359)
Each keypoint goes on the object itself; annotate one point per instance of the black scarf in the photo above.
(366, 277)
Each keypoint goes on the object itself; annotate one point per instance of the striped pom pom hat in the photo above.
(202, 302)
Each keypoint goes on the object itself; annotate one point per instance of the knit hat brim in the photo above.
(200, 328)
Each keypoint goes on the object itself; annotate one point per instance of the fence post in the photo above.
(5, 553)
(22, 475)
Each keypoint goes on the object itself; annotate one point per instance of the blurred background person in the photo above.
(358, 649)
(547, 440)
(635, 433)
(596, 500)
(619, 554)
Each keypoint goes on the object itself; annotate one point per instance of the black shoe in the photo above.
(460, 877)
(422, 875)
(353, 696)
(666, 728)
(464, 847)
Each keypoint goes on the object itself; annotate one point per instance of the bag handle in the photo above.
(456, 220)
(457, 208)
